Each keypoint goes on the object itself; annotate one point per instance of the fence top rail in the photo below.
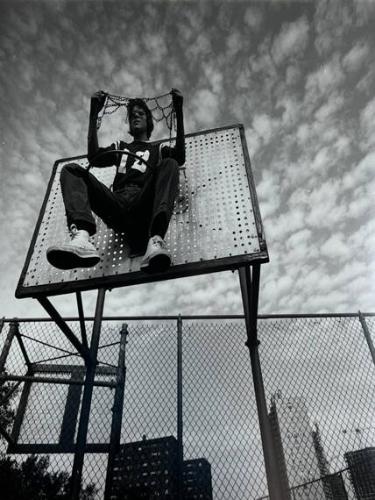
(320, 479)
(194, 317)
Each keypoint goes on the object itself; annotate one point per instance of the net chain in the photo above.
(159, 112)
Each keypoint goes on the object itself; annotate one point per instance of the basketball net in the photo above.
(161, 108)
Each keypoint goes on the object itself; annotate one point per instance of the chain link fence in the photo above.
(319, 379)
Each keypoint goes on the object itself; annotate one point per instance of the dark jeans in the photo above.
(141, 212)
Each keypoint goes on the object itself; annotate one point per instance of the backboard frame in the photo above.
(66, 442)
(139, 277)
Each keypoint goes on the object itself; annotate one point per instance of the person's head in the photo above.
(140, 118)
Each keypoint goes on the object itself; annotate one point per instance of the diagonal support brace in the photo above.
(22, 347)
(61, 323)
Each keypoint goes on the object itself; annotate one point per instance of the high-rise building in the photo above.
(295, 447)
(362, 472)
(333, 484)
(148, 469)
(197, 479)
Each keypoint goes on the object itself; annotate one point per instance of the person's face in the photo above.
(138, 120)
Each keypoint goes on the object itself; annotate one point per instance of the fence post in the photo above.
(3, 358)
(79, 455)
(2, 321)
(180, 443)
(117, 410)
(7, 344)
(249, 282)
(367, 334)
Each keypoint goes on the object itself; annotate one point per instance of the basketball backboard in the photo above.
(216, 223)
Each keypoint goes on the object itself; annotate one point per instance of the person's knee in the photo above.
(72, 168)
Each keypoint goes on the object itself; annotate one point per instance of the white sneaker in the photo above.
(157, 258)
(78, 252)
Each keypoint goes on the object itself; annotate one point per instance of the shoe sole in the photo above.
(63, 259)
(157, 264)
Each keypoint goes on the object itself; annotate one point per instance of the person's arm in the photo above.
(178, 152)
(93, 149)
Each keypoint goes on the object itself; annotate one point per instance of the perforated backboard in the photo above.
(216, 223)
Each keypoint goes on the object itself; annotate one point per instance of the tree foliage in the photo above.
(31, 480)
(6, 410)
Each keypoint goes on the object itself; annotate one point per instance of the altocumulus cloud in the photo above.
(291, 40)
(299, 79)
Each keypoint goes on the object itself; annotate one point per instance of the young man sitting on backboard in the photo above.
(142, 197)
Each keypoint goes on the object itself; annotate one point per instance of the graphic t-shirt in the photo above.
(131, 170)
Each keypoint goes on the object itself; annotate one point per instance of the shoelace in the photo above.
(76, 234)
(159, 242)
(73, 232)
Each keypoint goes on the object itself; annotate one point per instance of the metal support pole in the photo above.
(7, 345)
(69, 422)
(82, 319)
(180, 442)
(117, 411)
(20, 413)
(249, 281)
(79, 455)
(367, 334)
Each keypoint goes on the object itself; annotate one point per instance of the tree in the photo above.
(31, 480)
(7, 392)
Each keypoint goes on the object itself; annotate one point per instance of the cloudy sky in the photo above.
(298, 75)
